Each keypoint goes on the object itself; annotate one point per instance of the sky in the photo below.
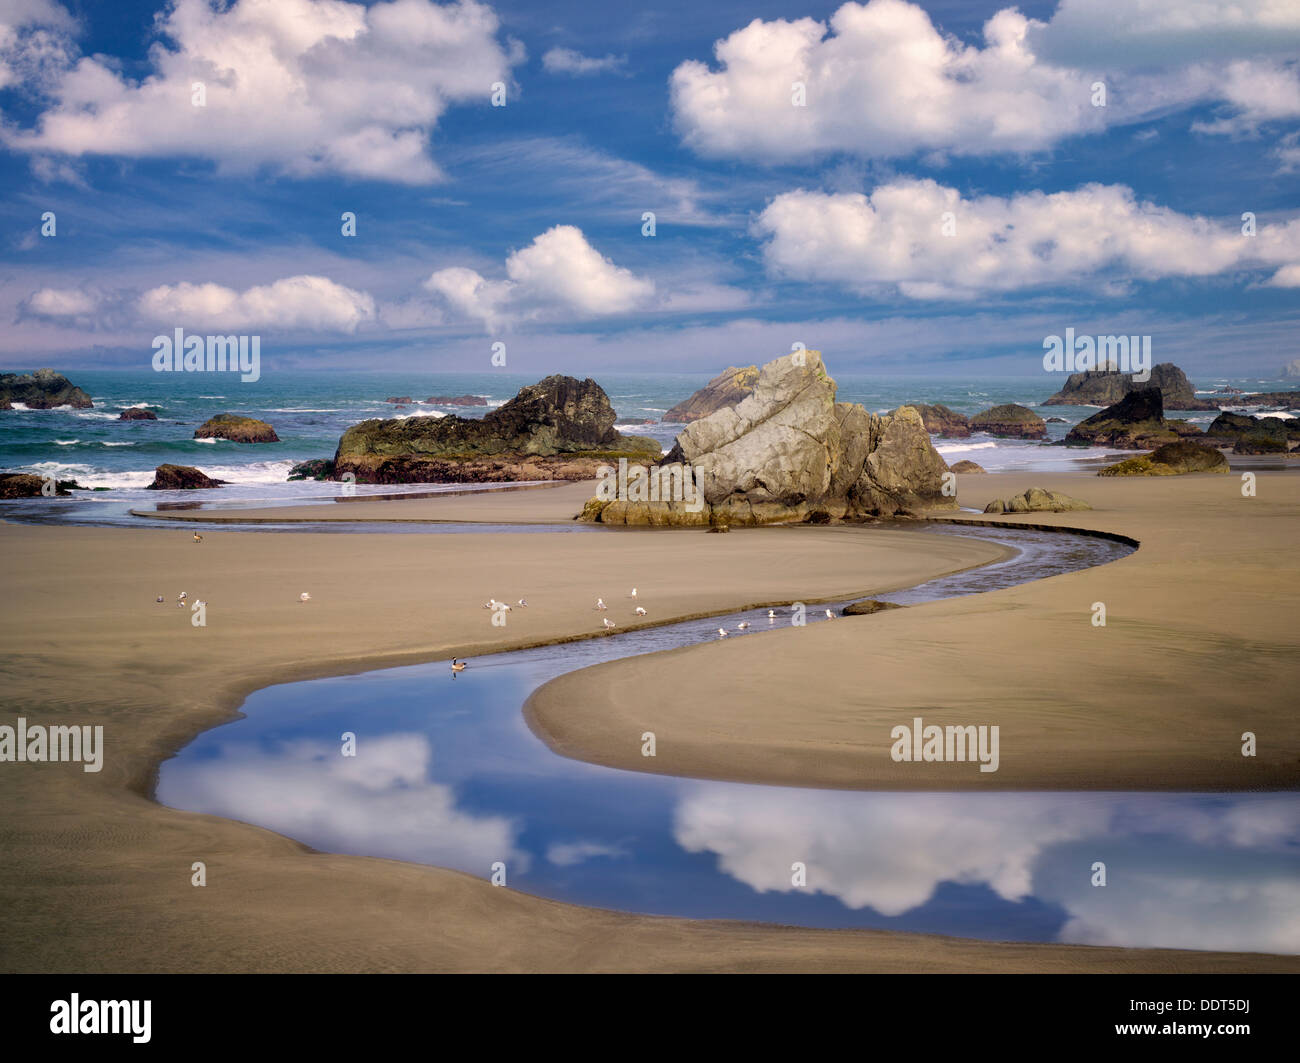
(919, 188)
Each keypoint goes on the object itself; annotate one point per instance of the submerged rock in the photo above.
(1105, 387)
(1010, 421)
(1036, 500)
(1135, 422)
(181, 478)
(941, 421)
(313, 469)
(728, 388)
(558, 429)
(137, 414)
(790, 450)
(42, 390)
(29, 485)
(236, 428)
(867, 607)
(456, 400)
(1171, 459)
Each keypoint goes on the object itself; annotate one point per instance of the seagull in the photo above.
(180, 605)
(304, 597)
(457, 665)
(491, 603)
(771, 614)
(640, 611)
(830, 615)
(609, 623)
(722, 632)
(198, 538)
(523, 604)
(159, 599)
(182, 596)
(743, 625)
(600, 604)
(633, 592)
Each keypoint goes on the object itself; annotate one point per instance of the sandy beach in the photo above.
(96, 875)
(1198, 648)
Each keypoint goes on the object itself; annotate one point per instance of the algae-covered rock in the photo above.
(1171, 459)
(1010, 421)
(867, 607)
(1135, 422)
(237, 429)
(1036, 500)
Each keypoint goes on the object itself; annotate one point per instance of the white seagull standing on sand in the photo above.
(600, 604)
(182, 596)
(304, 597)
(640, 611)
(491, 603)
(633, 592)
(523, 604)
(609, 623)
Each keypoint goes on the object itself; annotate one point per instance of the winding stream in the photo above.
(447, 773)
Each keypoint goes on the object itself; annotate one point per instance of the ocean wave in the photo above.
(961, 448)
(94, 415)
(66, 442)
(117, 444)
(305, 409)
(210, 440)
(417, 413)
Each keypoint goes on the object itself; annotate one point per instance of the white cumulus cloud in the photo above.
(299, 86)
(880, 79)
(559, 273)
(304, 302)
(928, 242)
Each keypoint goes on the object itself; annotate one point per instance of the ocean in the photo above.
(311, 410)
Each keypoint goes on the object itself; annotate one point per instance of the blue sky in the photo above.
(948, 194)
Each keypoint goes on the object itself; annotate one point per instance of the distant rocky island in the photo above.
(439, 400)
(1105, 387)
(558, 429)
(43, 390)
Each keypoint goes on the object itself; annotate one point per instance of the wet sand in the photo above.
(96, 876)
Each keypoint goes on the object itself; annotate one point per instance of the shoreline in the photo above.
(430, 907)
